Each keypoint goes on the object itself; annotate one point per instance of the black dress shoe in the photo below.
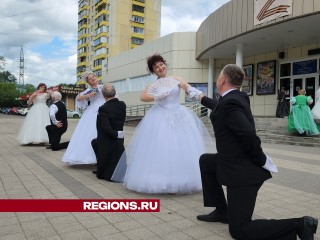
(48, 147)
(214, 216)
(94, 171)
(309, 228)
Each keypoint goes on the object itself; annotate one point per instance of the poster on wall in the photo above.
(247, 84)
(266, 72)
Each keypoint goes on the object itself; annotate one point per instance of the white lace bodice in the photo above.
(172, 100)
(95, 101)
(40, 98)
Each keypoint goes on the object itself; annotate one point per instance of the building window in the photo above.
(81, 41)
(82, 31)
(137, 19)
(100, 51)
(98, 73)
(101, 30)
(285, 69)
(101, 18)
(99, 40)
(137, 8)
(137, 41)
(138, 30)
(82, 50)
(98, 62)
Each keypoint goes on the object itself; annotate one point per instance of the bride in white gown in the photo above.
(33, 129)
(163, 154)
(316, 109)
(79, 150)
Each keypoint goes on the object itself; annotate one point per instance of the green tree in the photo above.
(8, 94)
(29, 88)
(7, 76)
(2, 63)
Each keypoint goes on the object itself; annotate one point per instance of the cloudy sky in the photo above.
(47, 30)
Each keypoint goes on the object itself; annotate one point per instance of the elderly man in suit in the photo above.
(241, 165)
(108, 146)
(59, 123)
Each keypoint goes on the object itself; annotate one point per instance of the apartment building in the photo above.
(109, 27)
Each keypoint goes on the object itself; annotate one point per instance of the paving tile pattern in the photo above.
(33, 172)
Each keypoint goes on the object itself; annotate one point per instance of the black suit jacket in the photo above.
(107, 146)
(239, 148)
(110, 120)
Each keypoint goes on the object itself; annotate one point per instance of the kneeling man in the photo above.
(59, 123)
(109, 144)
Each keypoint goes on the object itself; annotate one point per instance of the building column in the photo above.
(210, 77)
(239, 55)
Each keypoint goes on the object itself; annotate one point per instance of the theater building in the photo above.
(277, 43)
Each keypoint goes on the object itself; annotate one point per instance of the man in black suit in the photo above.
(241, 165)
(108, 146)
(59, 123)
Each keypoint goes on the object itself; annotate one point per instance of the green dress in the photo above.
(300, 118)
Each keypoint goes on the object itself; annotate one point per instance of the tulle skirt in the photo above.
(33, 129)
(79, 150)
(163, 154)
(301, 120)
(316, 111)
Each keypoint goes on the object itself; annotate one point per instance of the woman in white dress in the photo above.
(163, 154)
(33, 130)
(79, 150)
(316, 109)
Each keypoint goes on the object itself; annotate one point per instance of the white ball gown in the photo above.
(79, 150)
(33, 129)
(163, 154)
(316, 108)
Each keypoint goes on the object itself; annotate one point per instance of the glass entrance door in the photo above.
(306, 83)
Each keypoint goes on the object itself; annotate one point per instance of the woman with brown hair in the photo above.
(163, 154)
(33, 130)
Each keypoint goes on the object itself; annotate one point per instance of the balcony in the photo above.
(96, 68)
(82, 45)
(100, 45)
(84, 35)
(82, 26)
(85, 7)
(140, 14)
(102, 55)
(137, 35)
(103, 34)
(100, 13)
(102, 23)
(135, 2)
(82, 64)
(101, 3)
(82, 54)
(135, 24)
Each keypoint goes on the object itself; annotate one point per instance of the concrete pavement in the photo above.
(33, 172)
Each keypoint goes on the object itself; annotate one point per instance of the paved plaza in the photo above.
(34, 172)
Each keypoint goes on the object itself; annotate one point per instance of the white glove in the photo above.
(161, 96)
(193, 93)
(270, 166)
(120, 134)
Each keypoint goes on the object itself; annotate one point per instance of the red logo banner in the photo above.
(79, 205)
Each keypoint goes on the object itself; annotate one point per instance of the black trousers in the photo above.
(54, 134)
(240, 205)
(107, 157)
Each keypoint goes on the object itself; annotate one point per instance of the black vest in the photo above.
(61, 115)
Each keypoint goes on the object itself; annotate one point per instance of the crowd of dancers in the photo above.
(171, 150)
